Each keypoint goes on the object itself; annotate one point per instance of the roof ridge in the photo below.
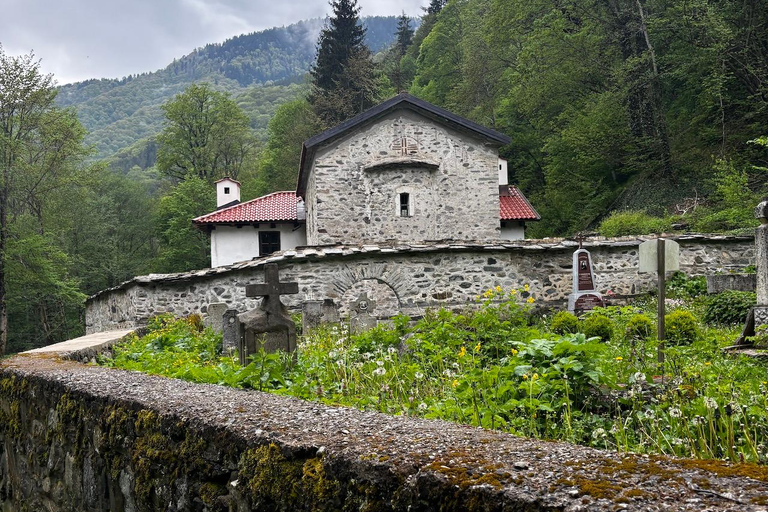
(243, 203)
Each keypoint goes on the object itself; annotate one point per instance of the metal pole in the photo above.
(661, 268)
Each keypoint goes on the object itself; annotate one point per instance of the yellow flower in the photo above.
(513, 292)
(477, 348)
(498, 289)
(535, 376)
(463, 351)
(527, 287)
(530, 300)
(619, 358)
(525, 376)
(514, 352)
(707, 364)
(455, 383)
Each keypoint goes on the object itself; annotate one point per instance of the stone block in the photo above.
(739, 282)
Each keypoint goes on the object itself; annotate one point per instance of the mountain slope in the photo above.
(119, 112)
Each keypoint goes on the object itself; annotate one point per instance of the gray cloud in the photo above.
(81, 39)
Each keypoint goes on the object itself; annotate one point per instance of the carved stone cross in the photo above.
(271, 290)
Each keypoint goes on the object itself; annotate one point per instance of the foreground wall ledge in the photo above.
(78, 437)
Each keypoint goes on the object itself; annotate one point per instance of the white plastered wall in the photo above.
(513, 230)
(230, 244)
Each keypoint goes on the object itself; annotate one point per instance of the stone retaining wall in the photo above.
(409, 278)
(86, 438)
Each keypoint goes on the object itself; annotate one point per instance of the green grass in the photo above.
(489, 367)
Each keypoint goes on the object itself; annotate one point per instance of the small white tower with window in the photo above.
(227, 192)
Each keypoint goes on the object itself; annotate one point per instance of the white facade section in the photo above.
(230, 244)
(227, 190)
(512, 230)
(503, 173)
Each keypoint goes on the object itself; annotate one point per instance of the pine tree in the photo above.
(404, 34)
(435, 6)
(340, 49)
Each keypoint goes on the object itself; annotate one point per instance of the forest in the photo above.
(626, 117)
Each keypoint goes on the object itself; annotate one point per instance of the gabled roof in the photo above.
(403, 100)
(515, 206)
(275, 207)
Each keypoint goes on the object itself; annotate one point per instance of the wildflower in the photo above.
(526, 287)
(710, 403)
(650, 414)
(498, 289)
(619, 358)
(513, 292)
(333, 354)
(535, 376)
(391, 350)
(530, 300)
(525, 376)
(598, 432)
(455, 365)
(462, 351)
(448, 373)
(379, 363)
(422, 407)
(380, 371)
(419, 375)
(455, 383)
(675, 412)
(514, 352)
(707, 364)
(477, 348)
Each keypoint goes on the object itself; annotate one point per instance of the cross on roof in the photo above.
(271, 289)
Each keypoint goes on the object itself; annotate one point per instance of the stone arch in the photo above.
(385, 300)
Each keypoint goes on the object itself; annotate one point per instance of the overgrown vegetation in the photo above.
(498, 367)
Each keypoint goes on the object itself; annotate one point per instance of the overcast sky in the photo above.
(81, 39)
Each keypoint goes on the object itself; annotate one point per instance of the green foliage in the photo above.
(633, 223)
(760, 339)
(598, 325)
(206, 136)
(564, 322)
(680, 285)
(183, 247)
(640, 327)
(680, 327)
(729, 307)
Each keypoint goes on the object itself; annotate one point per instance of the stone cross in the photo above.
(364, 318)
(270, 326)
(759, 314)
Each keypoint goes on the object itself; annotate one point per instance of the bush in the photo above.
(683, 287)
(681, 327)
(565, 323)
(639, 327)
(729, 307)
(598, 325)
(633, 223)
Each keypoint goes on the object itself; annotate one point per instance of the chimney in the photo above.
(503, 178)
(227, 192)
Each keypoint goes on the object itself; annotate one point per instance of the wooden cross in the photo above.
(272, 289)
(580, 238)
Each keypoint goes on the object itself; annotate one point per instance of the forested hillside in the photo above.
(119, 112)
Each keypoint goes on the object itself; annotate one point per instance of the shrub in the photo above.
(639, 327)
(633, 223)
(683, 287)
(729, 307)
(598, 325)
(681, 327)
(565, 323)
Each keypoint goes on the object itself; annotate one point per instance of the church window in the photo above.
(405, 204)
(269, 242)
(226, 190)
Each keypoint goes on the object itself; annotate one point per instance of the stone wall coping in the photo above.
(447, 463)
(343, 251)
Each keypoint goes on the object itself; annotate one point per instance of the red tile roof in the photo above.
(516, 207)
(275, 207)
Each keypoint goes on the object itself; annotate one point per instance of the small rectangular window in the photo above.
(226, 190)
(404, 205)
(269, 242)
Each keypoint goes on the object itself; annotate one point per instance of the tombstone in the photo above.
(759, 314)
(584, 296)
(214, 316)
(317, 312)
(230, 331)
(270, 326)
(362, 317)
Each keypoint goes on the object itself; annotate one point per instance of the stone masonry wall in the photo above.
(355, 183)
(78, 438)
(414, 278)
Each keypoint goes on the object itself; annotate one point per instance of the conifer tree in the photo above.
(435, 6)
(404, 34)
(341, 53)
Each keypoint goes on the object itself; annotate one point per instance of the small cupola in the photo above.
(227, 192)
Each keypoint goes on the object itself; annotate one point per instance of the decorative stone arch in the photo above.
(380, 282)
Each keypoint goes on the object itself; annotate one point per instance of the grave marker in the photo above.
(759, 314)
(270, 326)
(584, 296)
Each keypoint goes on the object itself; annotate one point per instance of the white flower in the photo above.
(448, 373)
(419, 375)
(710, 403)
(379, 363)
(598, 432)
(333, 354)
(422, 407)
(391, 350)
(378, 372)
(675, 412)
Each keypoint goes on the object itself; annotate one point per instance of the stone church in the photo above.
(403, 172)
